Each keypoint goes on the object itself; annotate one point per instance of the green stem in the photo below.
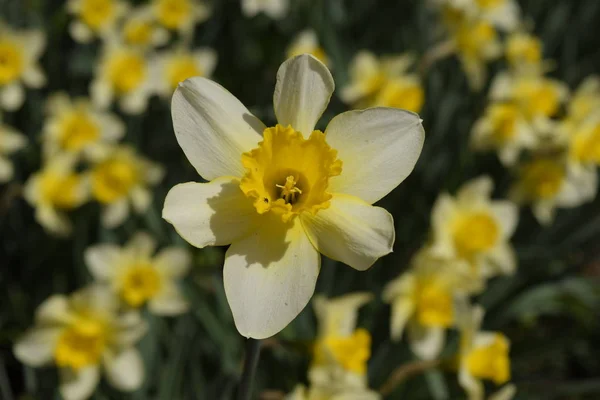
(250, 364)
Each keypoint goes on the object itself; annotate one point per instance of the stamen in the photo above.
(289, 190)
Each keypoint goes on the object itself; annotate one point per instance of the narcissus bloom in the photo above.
(138, 276)
(524, 51)
(175, 66)
(483, 356)
(94, 18)
(141, 29)
(122, 178)
(10, 142)
(422, 301)
(180, 15)
(475, 228)
(503, 14)
(307, 42)
(284, 193)
(83, 334)
(276, 9)
(78, 128)
(19, 52)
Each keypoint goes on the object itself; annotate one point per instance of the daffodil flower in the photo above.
(482, 356)
(180, 15)
(82, 335)
(94, 18)
(123, 73)
(422, 301)
(138, 276)
(175, 66)
(307, 42)
(585, 101)
(475, 228)
(503, 14)
(141, 29)
(383, 82)
(504, 128)
(282, 194)
(55, 190)
(524, 51)
(10, 142)
(77, 127)
(546, 182)
(316, 392)
(19, 52)
(275, 9)
(120, 179)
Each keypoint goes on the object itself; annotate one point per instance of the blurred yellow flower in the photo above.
(138, 276)
(55, 189)
(383, 82)
(475, 228)
(94, 18)
(141, 29)
(10, 142)
(505, 129)
(307, 42)
(283, 197)
(175, 66)
(77, 127)
(275, 9)
(585, 101)
(19, 54)
(123, 73)
(422, 301)
(547, 182)
(524, 51)
(120, 178)
(483, 356)
(180, 15)
(80, 334)
(503, 14)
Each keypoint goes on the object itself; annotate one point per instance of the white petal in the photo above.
(141, 245)
(207, 59)
(12, 96)
(174, 261)
(169, 301)
(213, 128)
(6, 170)
(52, 220)
(379, 148)
(54, 310)
(36, 347)
(302, 92)
(402, 309)
(506, 393)
(338, 316)
(131, 328)
(478, 190)
(115, 214)
(102, 260)
(141, 198)
(78, 385)
(134, 103)
(101, 93)
(426, 342)
(471, 385)
(34, 77)
(210, 214)
(80, 32)
(507, 216)
(269, 277)
(351, 231)
(124, 370)
(502, 259)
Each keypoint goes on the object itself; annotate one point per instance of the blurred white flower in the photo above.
(76, 127)
(138, 276)
(122, 178)
(10, 141)
(95, 18)
(524, 51)
(141, 29)
(307, 42)
(83, 334)
(276, 9)
(19, 54)
(180, 15)
(54, 190)
(272, 195)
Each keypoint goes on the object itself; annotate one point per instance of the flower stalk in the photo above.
(250, 364)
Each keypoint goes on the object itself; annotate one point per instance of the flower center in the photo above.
(434, 304)
(401, 93)
(82, 343)
(288, 174)
(474, 39)
(126, 71)
(503, 119)
(96, 13)
(487, 4)
(351, 352)
(114, 179)
(172, 13)
(542, 178)
(77, 130)
(11, 62)
(138, 33)
(491, 361)
(139, 283)
(586, 145)
(60, 190)
(474, 233)
(181, 68)
(538, 97)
